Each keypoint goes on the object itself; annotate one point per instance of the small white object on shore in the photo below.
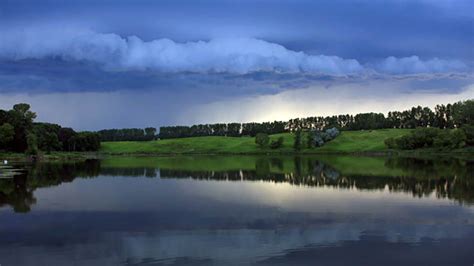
(5, 162)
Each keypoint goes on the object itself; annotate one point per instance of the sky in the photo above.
(113, 64)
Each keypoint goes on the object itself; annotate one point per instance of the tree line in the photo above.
(128, 134)
(222, 129)
(19, 133)
(443, 116)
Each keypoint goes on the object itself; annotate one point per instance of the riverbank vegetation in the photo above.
(444, 139)
(19, 134)
(449, 128)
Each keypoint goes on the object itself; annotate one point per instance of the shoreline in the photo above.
(81, 156)
(376, 154)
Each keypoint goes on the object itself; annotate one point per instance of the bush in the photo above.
(450, 139)
(262, 139)
(429, 137)
(469, 132)
(7, 133)
(458, 138)
(390, 143)
(332, 133)
(275, 144)
(405, 142)
(321, 137)
(326, 137)
(424, 137)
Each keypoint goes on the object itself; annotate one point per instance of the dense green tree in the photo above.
(86, 141)
(32, 143)
(50, 142)
(150, 133)
(47, 136)
(219, 129)
(469, 132)
(368, 121)
(7, 133)
(463, 113)
(262, 140)
(65, 136)
(32, 137)
(21, 118)
(4, 117)
(233, 129)
(128, 134)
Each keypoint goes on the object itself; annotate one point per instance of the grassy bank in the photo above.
(370, 141)
(364, 142)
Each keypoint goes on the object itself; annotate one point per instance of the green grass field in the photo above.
(347, 142)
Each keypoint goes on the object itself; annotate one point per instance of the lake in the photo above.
(238, 210)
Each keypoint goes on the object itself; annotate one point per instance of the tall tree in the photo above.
(22, 119)
(150, 133)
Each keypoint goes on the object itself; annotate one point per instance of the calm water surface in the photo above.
(238, 210)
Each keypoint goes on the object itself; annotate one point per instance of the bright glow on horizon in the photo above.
(119, 109)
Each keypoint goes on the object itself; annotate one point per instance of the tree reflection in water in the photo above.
(448, 178)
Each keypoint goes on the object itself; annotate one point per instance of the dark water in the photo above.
(238, 211)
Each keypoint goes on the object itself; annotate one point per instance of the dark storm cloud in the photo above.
(225, 55)
(222, 55)
(325, 37)
(115, 63)
(363, 30)
(45, 76)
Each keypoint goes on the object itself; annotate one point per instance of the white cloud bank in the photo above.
(218, 55)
